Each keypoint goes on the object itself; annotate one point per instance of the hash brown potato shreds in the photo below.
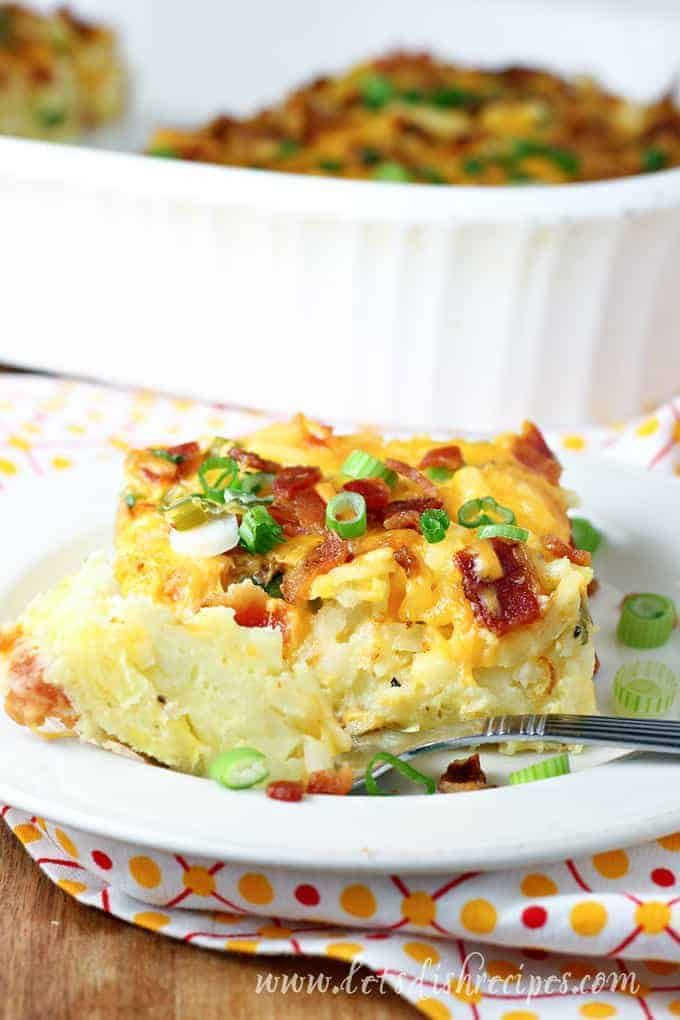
(412, 117)
(59, 75)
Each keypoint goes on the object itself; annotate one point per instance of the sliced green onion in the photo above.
(473, 166)
(647, 620)
(228, 470)
(432, 175)
(585, 535)
(644, 689)
(405, 769)
(362, 465)
(288, 147)
(370, 156)
(239, 769)
(439, 474)
(654, 159)
(434, 524)
(252, 483)
(549, 769)
(259, 531)
(479, 512)
(190, 511)
(331, 166)
(413, 96)
(346, 514)
(452, 97)
(130, 499)
(394, 172)
(565, 159)
(50, 116)
(509, 531)
(173, 458)
(163, 152)
(376, 91)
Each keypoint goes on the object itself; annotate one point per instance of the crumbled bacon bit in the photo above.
(407, 560)
(531, 449)
(461, 775)
(509, 602)
(330, 553)
(294, 479)
(405, 513)
(414, 475)
(376, 493)
(304, 513)
(336, 782)
(31, 699)
(443, 456)
(285, 789)
(182, 460)
(596, 665)
(253, 460)
(252, 607)
(558, 549)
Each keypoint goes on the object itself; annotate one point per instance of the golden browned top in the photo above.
(411, 117)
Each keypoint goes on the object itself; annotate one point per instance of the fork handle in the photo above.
(647, 734)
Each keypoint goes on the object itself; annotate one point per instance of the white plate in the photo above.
(49, 525)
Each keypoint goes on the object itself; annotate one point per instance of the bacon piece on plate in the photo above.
(166, 464)
(509, 602)
(405, 513)
(413, 474)
(253, 460)
(558, 549)
(304, 513)
(294, 479)
(285, 789)
(407, 560)
(461, 775)
(443, 456)
(531, 449)
(376, 493)
(337, 782)
(330, 553)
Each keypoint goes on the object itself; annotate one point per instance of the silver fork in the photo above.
(643, 734)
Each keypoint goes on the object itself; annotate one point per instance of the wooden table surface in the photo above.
(60, 959)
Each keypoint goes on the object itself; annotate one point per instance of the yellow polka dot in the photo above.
(151, 919)
(419, 908)
(27, 833)
(676, 432)
(73, 888)
(538, 885)
(145, 872)
(503, 969)
(222, 917)
(478, 916)
(30, 426)
(520, 1014)
(241, 945)
(344, 950)
(77, 430)
(119, 443)
(274, 931)
(41, 823)
(19, 443)
(199, 881)
(433, 1009)
(573, 442)
(66, 843)
(653, 917)
(61, 463)
(674, 1007)
(7, 467)
(671, 842)
(597, 1010)
(358, 900)
(588, 918)
(422, 952)
(464, 990)
(255, 888)
(647, 427)
(612, 864)
(664, 967)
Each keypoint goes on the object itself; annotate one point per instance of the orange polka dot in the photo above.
(520, 1014)
(538, 885)
(664, 967)
(612, 864)
(343, 950)
(274, 931)
(255, 888)
(7, 467)
(503, 969)
(653, 917)
(671, 842)
(222, 917)
(199, 881)
(674, 1007)
(61, 463)
(66, 843)
(597, 1010)
(419, 908)
(465, 990)
(241, 945)
(73, 888)
(145, 872)
(433, 1009)
(588, 918)
(648, 427)
(639, 993)
(478, 916)
(573, 442)
(422, 952)
(151, 919)
(27, 833)
(358, 900)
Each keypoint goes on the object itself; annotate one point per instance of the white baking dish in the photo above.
(399, 304)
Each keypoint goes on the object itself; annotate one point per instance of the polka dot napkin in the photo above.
(592, 937)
